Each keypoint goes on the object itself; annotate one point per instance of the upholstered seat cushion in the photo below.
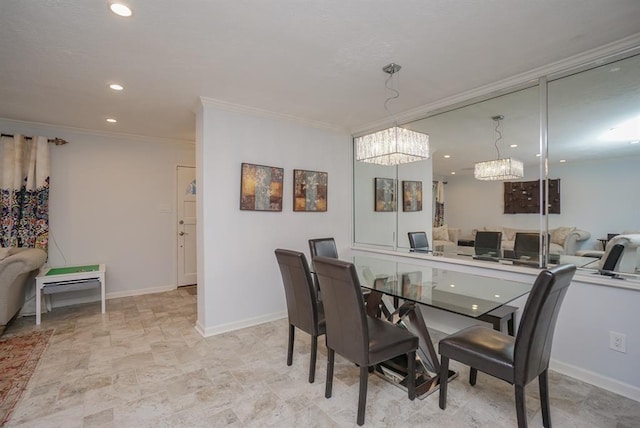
(482, 348)
(387, 340)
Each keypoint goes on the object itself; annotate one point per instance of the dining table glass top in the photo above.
(462, 293)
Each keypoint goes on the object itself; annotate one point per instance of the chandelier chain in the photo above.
(397, 93)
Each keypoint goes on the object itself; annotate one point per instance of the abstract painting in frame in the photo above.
(385, 194)
(261, 188)
(411, 196)
(309, 190)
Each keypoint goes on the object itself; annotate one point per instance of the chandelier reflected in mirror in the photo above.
(395, 145)
(500, 168)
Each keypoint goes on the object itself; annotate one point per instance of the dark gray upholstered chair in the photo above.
(326, 247)
(527, 245)
(303, 308)
(516, 360)
(612, 261)
(487, 243)
(418, 241)
(361, 339)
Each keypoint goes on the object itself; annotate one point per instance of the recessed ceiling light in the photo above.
(563, 160)
(116, 87)
(453, 173)
(111, 120)
(513, 146)
(447, 156)
(120, 9)
(452, 285)
(537, 155)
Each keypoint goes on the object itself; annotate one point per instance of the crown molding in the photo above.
(94, 132)
(593, 56)
(254, 111)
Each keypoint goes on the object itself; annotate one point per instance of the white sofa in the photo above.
(564, 240)
(445, 238)
(630, 259)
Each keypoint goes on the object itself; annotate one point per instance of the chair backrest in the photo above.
(418, 240)
(346, 323)
(487, 243)
(527, 244)
(630, 258)
(612, 260)
(325, 247)
(302, 306)
(535, 334)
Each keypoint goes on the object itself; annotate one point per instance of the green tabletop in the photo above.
(72, 269)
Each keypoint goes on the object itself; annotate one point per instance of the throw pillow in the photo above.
(558, 235)
(441, 233)
(509, 233)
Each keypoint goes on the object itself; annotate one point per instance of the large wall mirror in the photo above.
(597, 168)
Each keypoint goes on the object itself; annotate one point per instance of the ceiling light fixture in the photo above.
(116, 87)
(120, 9)
(447, 156)
(392, 146)
(500, 168)
(111, 120)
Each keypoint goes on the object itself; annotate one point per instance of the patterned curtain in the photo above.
(438, 215)
(24, 192)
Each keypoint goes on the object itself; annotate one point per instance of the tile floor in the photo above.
(143, 365)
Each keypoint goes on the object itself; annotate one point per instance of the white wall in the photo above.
(106, 197)
(239, 279)
(599, 197)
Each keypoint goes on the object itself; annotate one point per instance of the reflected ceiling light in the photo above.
(116, 87)
(453, 173)
(634, 142)
(392, 146)
(120, 9)
(626, 131)
(513, 146)
(537, 155)
(447, 156)
(500, 168)
(563, 160)
(111, 120)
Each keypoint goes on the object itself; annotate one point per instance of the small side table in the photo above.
(63, 279)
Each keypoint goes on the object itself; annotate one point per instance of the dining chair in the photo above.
(611, 260)
(358, 337)
(487, 243)
(515, 360)
(527, 245)
(326, 247)
(304, 310)
(418, 241)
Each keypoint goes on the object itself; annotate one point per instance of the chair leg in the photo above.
(510, 325)
(292, 334)
(521, 409)
(312, 359)
(444, 380)
(411, 387)
(543, 382)
(329, 383)
(473, 376)
(362, 396)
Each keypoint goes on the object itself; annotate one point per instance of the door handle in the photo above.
(181, 233)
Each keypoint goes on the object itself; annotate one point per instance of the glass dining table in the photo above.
(409, 285)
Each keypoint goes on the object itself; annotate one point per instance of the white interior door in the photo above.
(187, 268)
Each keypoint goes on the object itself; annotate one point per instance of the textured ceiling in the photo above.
(319, 61)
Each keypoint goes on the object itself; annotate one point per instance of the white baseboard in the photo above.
(237, 325)
(604, 382)
(150, 290)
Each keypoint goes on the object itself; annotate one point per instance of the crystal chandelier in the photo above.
(500, 168)
(392, 146)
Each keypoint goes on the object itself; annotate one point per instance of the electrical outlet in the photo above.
(618, 341)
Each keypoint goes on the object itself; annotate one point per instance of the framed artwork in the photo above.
(412, 196)
(261, 188)
(523, 197)
(309, 190)
(385, 194)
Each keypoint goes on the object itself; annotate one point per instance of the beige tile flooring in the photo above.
(143, 365)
